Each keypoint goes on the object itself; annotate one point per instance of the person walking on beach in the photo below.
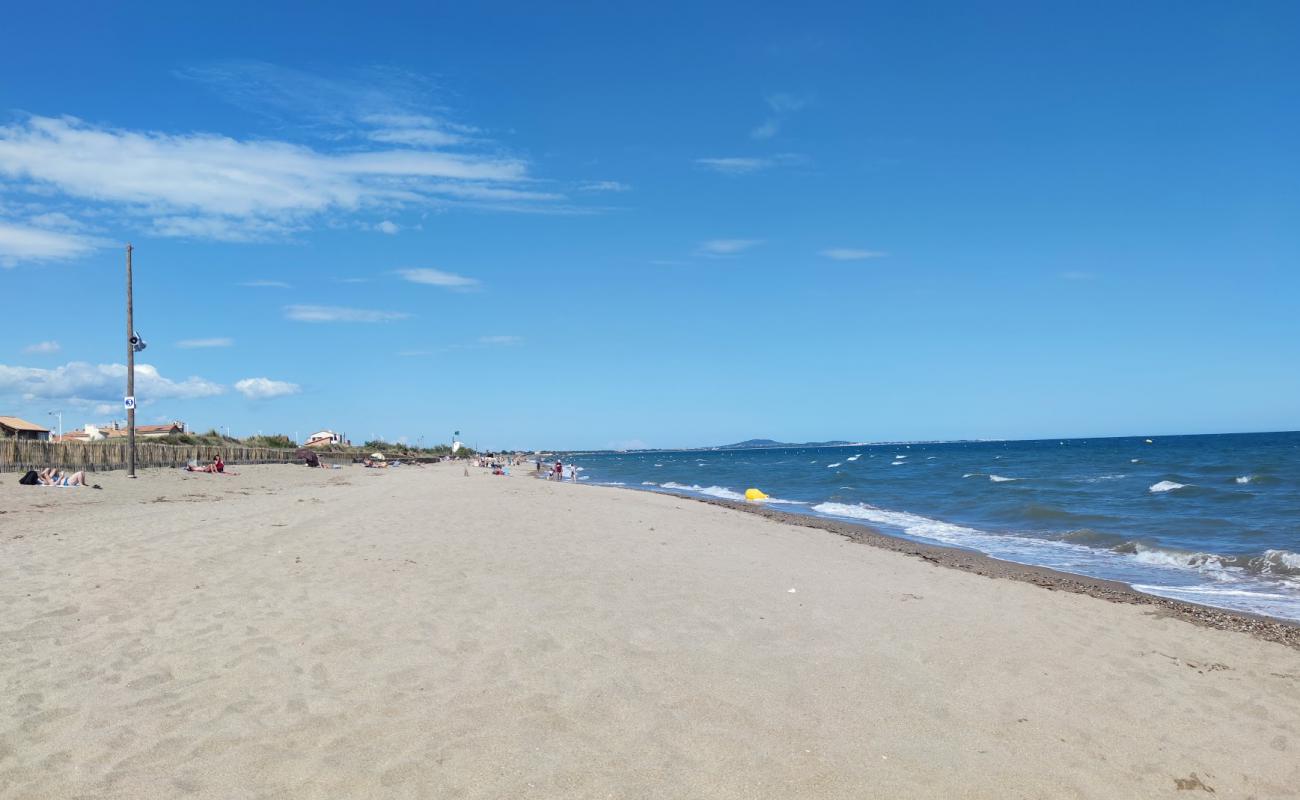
(573, 472)
(559, 470)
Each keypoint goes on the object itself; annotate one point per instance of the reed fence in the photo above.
(20, 455)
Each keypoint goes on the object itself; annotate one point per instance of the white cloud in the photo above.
(767, 129)
(190, 344)
(23, 243)
(851, 254)
(737, 165)
(785, 103)
(340, 314)
(603, 186)
(782, 104)
(264, 388)
(388, 226)
(80, 383)
(43, 348)
(734, 166)
(727, 247)
(500, 340)
(266, 284)
(436, 277)
(206, 185)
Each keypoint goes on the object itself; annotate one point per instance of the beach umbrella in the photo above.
(379, 456)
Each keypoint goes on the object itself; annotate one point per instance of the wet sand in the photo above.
(417, 633)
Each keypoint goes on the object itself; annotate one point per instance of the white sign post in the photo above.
(128, 402)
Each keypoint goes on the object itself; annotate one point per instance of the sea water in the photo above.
(1209, 519)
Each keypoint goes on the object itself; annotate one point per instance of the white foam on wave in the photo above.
(896, 463)
(721, 491)
(855, 458)
(972, 474)
(649, 483)
(832, 466)
(1209, 564)
(658, 465)
(1134, 460)
(1166, 486)
(712, 491)
(1229, 587)
(1102, 478)
(1284, 557)
(1245, 479)
(902, 456)
(1000, 479)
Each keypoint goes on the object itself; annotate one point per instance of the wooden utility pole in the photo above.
(130, 371)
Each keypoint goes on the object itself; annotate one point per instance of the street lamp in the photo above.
(59, 413)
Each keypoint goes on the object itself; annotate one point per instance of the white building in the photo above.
(325, 439)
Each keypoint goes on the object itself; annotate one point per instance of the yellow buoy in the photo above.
(754, 494)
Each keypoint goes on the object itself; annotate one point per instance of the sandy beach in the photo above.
(416, 633)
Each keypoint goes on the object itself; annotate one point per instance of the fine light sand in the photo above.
(415, 633)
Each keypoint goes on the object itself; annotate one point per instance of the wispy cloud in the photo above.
(266, 284)
(82, 384)
(721, 248)
(210, 186)
(500, 340)
(190, 344)
(265, 388)
(782, 105)
(744, 165)
(785, 102)
(436, 277)
(378, 104)
(767, 129)
(851, 254)
(19, 243)
(43, 348)
(603, 186)
(301, 313)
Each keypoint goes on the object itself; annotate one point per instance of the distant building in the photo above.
(156, 431)
(325, 439)
(15, 428)
(117, 430)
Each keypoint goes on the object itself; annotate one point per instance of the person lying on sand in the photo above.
(53, 477)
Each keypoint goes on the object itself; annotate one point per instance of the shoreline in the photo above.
(1271, 629)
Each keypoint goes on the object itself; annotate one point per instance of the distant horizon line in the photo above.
(881, 443)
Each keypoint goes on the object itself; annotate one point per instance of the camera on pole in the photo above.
(137, 342)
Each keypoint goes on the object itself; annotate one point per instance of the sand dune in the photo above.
(296, 633)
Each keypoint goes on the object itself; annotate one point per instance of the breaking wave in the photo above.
(1166, 486)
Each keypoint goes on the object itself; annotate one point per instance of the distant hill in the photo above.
(752, 444)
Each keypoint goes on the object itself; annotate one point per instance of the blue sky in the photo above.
(669, 225)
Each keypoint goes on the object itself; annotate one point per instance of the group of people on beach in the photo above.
(556, 472)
